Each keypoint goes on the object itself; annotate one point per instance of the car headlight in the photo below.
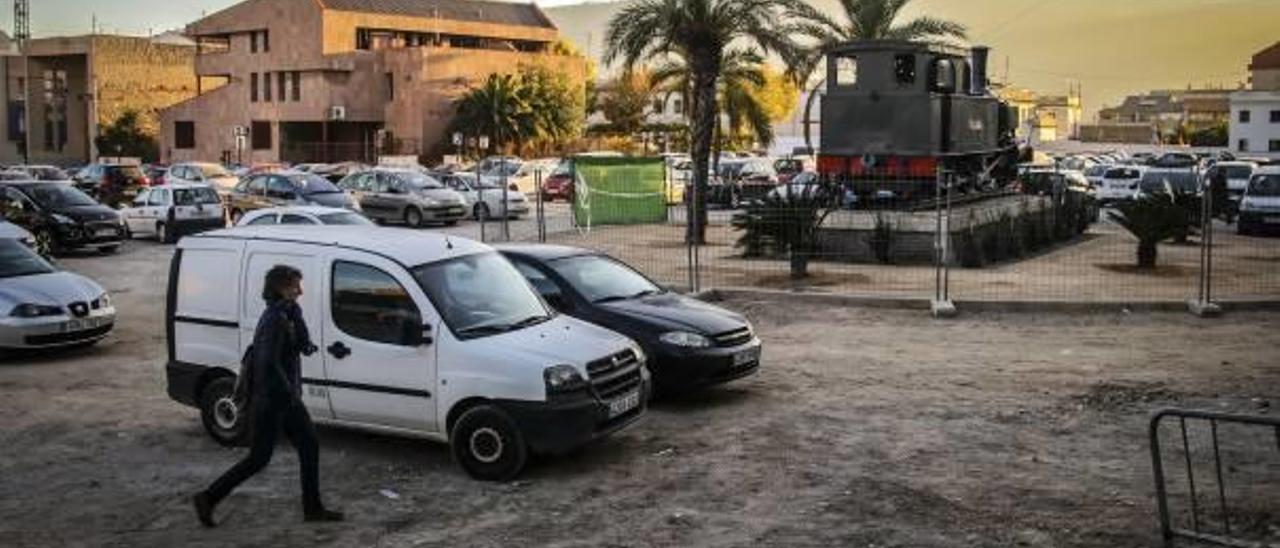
(429, 201)
(563, 378)
(28, 310)
(63, 219)
(1246, 204)
(102, 302)
(685, 339)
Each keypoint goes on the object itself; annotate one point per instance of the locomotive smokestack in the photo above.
(979, 54)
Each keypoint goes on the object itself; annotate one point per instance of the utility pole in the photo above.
(22, 34)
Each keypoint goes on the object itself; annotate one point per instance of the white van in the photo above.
(421, 334)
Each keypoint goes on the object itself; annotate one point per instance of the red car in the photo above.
(558, 185)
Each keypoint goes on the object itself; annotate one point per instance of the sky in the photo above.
(66, 17)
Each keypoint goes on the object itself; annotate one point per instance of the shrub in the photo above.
(785, 223)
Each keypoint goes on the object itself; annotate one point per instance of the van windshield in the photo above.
(481, 294)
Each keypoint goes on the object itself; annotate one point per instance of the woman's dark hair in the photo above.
(278, 278)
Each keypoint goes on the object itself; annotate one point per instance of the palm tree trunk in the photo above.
(704, 117)
(808, 111)
(1147, 250)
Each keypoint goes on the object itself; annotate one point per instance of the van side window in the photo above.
(370, 304)
(264, 220)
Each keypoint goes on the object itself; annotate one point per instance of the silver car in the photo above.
(42, 307)
(404, 195)
(485, 199)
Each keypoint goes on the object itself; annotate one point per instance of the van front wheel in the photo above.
(487, 444)
(223, 420)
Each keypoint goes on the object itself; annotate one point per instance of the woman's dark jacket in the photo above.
(274, 363)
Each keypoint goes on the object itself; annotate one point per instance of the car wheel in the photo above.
(236, 215)
(487, 444)
(482, 212)
(413, 217)
(222, 419)
(108, 249)
(451, 223)
(45, 245)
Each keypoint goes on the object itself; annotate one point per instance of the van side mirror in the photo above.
(417, 335)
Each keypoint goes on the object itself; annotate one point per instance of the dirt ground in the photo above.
(1098, 267)
(864, 427)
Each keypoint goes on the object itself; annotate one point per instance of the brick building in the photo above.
(333, 80)
(80, 83)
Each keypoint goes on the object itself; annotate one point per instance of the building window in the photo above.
(253, 87)
(1242, 145)
(253, 42)
(260, 134)
(391, 87)
(1273, 145)
(280, 83)
(184, 135)
(1244, 116)
(677, 106)
(266, 87)
(297, 85)
(266, 40)
(1275, 116)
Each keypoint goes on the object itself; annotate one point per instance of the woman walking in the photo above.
(275, 401)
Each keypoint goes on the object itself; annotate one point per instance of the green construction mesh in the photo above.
(619, 191)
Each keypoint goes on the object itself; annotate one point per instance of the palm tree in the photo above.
(499, 110)
(741, 74)
(701, 31)
(864, 20)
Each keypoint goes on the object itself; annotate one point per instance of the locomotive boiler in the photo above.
(897, 112)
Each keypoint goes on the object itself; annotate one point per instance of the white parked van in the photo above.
(421, 334)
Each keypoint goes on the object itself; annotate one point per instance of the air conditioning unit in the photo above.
(337, 113)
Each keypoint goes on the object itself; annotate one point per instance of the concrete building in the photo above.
(1043, 118)
(1169, 113)
(78, 84)
(1255, 113)
(331, 80)
(1264, 69)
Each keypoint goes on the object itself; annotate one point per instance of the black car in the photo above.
(60, 216)
(113, 184)
(690, 343)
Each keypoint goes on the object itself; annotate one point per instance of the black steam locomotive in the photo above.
(897, 112)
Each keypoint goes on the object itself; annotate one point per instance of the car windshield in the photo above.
(1237, 172)
(17, 259)
(481, 294)
(602, 279)
(46, 173)
(131, 172)
(214, 170)
(309, 183)
(58, 195)
(1265, 185)
(1154, 181)
(344, 218)
(419, 180)
(193, 196)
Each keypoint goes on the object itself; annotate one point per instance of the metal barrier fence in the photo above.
(1230, 475)
(1051, 243)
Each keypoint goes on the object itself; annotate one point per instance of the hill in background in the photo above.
(1113, 48)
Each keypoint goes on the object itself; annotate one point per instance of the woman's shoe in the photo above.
(204, 509)
(322, 514)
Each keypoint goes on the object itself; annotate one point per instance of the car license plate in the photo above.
(624, 404)
(1271, 220)
(106, 232)
(746, 357)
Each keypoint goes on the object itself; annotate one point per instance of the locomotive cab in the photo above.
(899, 110)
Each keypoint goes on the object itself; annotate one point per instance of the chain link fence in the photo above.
(1049, 238)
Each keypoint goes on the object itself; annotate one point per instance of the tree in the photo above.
(739, 91)
(701, 31)
(864, 20)
(625, 101)
(531, 107)
(126, 138)
(1152, 219)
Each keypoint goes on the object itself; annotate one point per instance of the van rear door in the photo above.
(260, 257)
(377, 373)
